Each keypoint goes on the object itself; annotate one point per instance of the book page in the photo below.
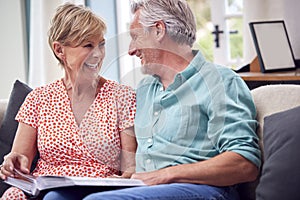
(47, 182)
(27, 177)
(20, 183)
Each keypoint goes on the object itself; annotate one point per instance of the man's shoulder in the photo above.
(222, 71)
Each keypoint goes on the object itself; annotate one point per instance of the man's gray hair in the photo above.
(176, 14)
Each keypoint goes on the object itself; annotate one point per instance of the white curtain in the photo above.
(43, 66)
(78, 2)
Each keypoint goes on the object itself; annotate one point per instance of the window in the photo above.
(220, 30)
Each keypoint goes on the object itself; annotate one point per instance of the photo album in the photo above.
(33, 185)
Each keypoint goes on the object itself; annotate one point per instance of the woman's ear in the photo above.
(58, 50)
(160, 30)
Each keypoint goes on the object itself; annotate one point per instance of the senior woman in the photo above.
(81, 124)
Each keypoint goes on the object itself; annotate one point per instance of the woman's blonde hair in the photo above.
(72, 25)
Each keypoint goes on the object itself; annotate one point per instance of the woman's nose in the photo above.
(98, 51)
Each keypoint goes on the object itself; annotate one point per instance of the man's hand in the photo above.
(153, 178)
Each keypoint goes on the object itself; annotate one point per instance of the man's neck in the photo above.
(172, 64)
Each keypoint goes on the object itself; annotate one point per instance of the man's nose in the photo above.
(132, 50)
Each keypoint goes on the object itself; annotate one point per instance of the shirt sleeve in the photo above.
(237, 112)
(126, 107)
(27, 113)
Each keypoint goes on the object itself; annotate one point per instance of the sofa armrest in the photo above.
(3, 106)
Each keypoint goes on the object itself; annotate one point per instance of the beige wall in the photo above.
(13, 46)
(291, 16)
(260, 10)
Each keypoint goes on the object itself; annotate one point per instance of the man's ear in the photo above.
(58, 50)
(160, 30)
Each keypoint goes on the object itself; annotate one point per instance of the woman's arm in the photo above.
(22, 153)
(128, 149)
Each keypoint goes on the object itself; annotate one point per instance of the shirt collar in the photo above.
(194, 66)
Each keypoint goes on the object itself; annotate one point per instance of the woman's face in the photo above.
(84, 59)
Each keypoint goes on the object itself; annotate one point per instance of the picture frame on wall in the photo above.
(272, 44)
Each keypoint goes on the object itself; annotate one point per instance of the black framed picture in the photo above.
(272, 45)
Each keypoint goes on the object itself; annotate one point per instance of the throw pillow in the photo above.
(9, 124)
(280, 177)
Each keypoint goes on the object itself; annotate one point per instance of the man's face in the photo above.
(143, 45)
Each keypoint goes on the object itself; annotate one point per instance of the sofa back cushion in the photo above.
(3, 106)
(280, 177)
(9, 124)
(269, 99)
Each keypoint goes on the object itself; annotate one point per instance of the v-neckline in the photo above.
(101, 85)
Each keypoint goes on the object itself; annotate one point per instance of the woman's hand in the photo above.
(126, 174)
(13, 161)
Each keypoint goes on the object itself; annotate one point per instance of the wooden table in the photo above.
(293, 75)
(257, 79)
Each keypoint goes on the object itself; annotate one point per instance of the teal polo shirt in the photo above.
(207, 110)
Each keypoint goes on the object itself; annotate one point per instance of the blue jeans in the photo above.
(181, 191)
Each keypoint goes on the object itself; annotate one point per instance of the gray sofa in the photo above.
(268, 100)
(278, 114)
(3, 105)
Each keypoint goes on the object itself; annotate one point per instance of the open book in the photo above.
(34, 184)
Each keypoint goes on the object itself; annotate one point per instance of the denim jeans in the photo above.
(180, 191)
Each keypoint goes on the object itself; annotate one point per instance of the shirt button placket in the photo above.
(149, 164)
(149, 141)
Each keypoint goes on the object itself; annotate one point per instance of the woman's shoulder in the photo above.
(47, 88)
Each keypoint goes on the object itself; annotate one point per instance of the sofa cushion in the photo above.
(269, 99)
(3, 106)
(9, 124)
(280, 177)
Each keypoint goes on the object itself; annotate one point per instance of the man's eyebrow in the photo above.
(135, 30)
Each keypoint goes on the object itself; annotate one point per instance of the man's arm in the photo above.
(228, 168)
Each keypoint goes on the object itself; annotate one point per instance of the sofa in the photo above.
(3, 105)
(278, 114)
